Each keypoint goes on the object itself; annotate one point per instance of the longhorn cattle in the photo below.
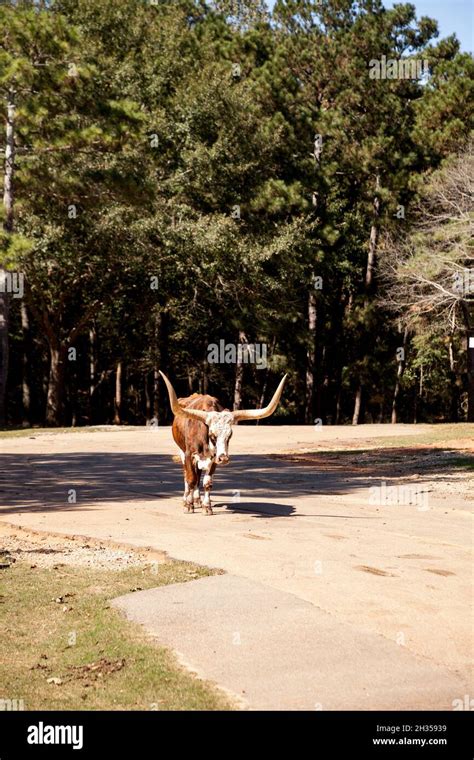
(202, 429)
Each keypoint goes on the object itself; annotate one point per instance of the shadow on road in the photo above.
(255, 508)
(250, 484)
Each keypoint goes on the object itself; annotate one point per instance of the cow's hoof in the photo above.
(207, 511)
(197, 504)
(188, 508)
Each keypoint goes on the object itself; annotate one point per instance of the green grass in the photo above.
(435, 434)
(439, 432)
(465, 463)
(38, 643)
(25, 432)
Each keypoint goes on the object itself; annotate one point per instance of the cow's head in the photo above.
(220, 423)
(220, 433)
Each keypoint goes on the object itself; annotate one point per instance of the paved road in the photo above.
(395, 577)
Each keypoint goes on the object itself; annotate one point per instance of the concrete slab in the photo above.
(278, 652)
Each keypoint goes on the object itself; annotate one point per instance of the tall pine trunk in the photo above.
(398, 382)
(156, 392)
(146, 389)
(4, 321)
(337, 416)
(157, 361)
(25, 365)
(239, 374)
(118, 394)
(455, 380)
(373, 239)
(56, 384)
(470, 375)
(92, 371)
(8, 227)
(205, 369)
(369, 285)
(418, 397)
(357, 405)
(311, 357)
(263, 394)
(468, 314)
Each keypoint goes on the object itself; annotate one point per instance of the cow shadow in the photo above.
(253, 508)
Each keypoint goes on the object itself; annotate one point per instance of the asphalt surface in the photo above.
(275, 651)
(388, 587)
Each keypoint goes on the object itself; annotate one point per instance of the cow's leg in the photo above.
(185, 495)
(207, 483)
(196, 492)
(191, 484)
(186, 487)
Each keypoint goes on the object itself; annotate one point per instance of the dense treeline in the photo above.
(180, 174)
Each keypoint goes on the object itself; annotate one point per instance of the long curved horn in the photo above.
(259, 414)
(176, 408)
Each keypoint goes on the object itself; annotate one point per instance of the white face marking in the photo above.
(220, 432)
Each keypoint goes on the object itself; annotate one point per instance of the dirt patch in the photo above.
(400, 460)
(437, 571)
(46, 550)
(96, 670)
(444, 471)
(374, 571)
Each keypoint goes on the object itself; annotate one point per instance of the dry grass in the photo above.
(65, 648)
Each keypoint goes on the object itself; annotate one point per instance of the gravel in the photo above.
(51, 551)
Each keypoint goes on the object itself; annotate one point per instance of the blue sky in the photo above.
(452, 16)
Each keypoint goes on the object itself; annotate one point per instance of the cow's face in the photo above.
(220, 433)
